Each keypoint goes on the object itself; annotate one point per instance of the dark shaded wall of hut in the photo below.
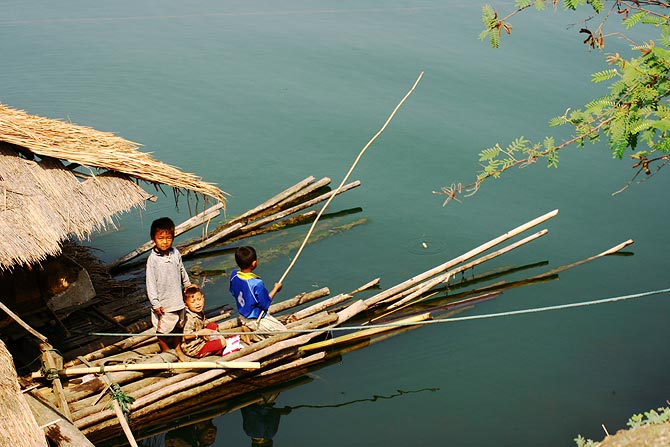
(65, 298)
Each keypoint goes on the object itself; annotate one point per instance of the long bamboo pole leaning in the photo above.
(346, 177)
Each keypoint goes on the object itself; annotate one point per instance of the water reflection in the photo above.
(260, 420)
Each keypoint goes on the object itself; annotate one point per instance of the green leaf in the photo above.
(604, 75)
(549, 143)
(662, 125)
(597, 5)
(488, 15)
(633, 20)
(489, 154)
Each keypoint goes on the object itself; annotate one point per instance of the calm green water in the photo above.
(256, 96)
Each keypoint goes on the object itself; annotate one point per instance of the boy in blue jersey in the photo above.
(253, 299)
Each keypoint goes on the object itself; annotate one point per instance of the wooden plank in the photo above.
(56, 427)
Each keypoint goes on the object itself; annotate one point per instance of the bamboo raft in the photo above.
(155, 388)
(121, 305)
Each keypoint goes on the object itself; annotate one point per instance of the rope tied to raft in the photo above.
(122, 398)
(49, 374)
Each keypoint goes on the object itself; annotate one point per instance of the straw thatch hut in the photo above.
(59, 180)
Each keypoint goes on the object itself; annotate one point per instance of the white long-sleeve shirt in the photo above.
(166, 278)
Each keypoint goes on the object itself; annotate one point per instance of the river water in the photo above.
(257, 95)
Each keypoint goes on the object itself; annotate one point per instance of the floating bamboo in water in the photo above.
(447, 265)
(183, 227)
(450, 273)
(363, 333)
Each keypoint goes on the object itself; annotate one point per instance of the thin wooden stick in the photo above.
(25, 325)
(346, 177)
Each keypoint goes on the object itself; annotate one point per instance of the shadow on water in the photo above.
(261, 416)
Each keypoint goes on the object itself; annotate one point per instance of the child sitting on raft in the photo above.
(200, 337)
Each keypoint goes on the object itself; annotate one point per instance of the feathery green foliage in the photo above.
(634, 116)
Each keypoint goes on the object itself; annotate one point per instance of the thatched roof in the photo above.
(95, 149)
(43, 202)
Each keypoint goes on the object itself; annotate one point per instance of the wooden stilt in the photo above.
(54, 362)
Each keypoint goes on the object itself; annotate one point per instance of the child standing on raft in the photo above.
(166, 278)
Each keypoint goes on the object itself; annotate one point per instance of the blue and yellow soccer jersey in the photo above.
(250, 294)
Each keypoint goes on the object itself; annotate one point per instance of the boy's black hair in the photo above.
(244, 256)
(164, 223)
(191, 290)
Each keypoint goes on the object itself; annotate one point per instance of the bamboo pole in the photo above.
(188, 249)
(610, 251)
(77, 371)
(295, 364)
(447, 265)
(238, 222)
(362, 333)
(291, 191)
(287, 212)
(299, 195)
(298, 300)
(322, 305)
(176, 388)
(449, 274)
(96, 385)
(119, 413)
(183, 227)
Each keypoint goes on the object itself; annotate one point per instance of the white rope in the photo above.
(444, 320)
